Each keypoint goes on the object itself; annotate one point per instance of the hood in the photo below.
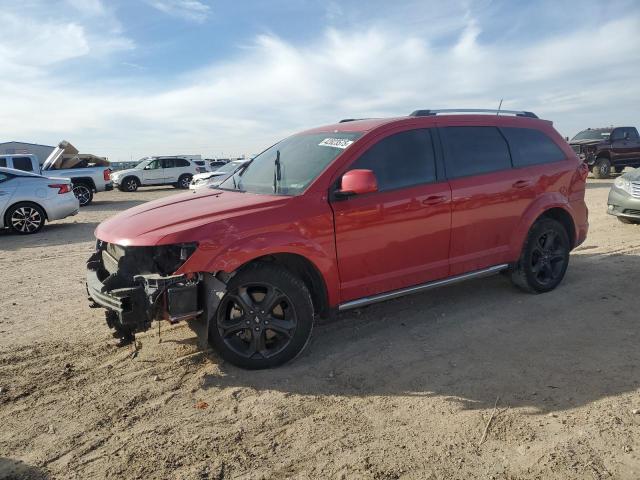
(119, 173)
(633, 175)
(586, 142)
(178, 218)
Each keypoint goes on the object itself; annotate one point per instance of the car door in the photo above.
(488, 196)
(170, 170)
(398, 236)
(634, 144)
(153, 173)
(7, 188)
(622, 148)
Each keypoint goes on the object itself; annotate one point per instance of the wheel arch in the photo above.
(553, 205)
(88, 181)
(304, 269)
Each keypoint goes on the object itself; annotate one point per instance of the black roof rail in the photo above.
(344, 120)
(428, 113)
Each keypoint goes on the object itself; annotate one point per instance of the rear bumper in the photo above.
(621, 204)
(62, 206)
(108, 187)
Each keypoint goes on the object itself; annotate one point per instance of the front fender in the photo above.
(228, 258)
(538, 207)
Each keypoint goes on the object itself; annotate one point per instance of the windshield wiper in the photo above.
(277, 174)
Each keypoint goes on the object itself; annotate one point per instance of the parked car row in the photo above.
(608, 149)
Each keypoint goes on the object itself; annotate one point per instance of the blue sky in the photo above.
(127, 78)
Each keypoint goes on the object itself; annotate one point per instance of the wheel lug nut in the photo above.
(257, 329)
(248, 322)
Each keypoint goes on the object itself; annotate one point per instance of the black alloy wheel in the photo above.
(184, 181)
(264, 319)
(544, 259)
(83, 193)
(130, 184)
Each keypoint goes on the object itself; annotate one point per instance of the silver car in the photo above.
(28, 200)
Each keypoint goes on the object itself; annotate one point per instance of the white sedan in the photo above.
(215, 178)
(28, 200)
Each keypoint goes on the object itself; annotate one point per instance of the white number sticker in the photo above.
(335, 142)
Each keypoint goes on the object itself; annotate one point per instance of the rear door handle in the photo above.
(434, 200)
(521, 184)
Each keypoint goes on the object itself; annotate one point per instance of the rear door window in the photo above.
(181, 162)
(168, 163)
(3, 162)
(531, 147)
(23, 163)
(401, 160)
(474, 151)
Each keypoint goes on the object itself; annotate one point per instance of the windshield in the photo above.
(288, 167)
(142, 164)
(592, 135)
(228, 167)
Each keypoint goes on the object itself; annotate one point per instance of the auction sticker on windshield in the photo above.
(335, 142)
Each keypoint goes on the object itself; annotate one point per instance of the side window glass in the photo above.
(168, 163)
(181, 162)
(531, 147)
(23, 163)
(617, 135)
(400, 160)
(3, 162)
(153, 165)
(474, 151)
(633, 134)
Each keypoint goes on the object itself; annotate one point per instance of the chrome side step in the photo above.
(361, 302)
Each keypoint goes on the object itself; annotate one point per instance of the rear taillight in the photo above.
(107, 175)
(62, 187)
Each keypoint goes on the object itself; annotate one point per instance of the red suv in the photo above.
(340, 217)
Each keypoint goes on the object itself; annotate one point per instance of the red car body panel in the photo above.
(376, 242)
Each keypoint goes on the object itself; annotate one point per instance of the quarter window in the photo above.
(181, 162)
(401, 160)
(474, 151)
(22, 163)
(3, 162)
(531, 147)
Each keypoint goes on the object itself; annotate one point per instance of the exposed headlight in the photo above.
(623, 184)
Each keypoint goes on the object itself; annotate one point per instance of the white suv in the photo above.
(176, 171)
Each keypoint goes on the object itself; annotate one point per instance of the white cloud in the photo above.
(274, 88)
(88, 7)
(193, 10)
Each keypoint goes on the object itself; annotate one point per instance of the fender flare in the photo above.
(543, 204)
(232, 256)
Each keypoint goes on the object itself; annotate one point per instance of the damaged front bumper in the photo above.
(134, 301)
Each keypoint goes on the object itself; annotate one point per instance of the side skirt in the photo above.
(361, 302)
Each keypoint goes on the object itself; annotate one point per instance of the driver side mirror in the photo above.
(357, 182)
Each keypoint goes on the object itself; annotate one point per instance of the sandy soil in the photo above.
(398, 390)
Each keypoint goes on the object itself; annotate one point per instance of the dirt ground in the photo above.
(402, 389)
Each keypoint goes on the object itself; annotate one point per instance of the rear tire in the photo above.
(130, 184)
(84, 193)
(184, 181)
(618, 169)
(25, 218)
(602, 168)
(264, 319)
(544, 259)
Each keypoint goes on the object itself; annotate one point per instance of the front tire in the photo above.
(264, 319)
(602, 168)
(130, 184)
(184, 181)
(544, 259)
(84, 193)
(25, 218)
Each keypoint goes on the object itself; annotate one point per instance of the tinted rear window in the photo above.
(181, 162)
(531, 147)
(22, 163)
(400, 160)
(474, 151)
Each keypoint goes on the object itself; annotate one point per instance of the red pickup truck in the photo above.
(340, 217)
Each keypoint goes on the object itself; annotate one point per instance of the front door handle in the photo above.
(434, 200)
(521, 184)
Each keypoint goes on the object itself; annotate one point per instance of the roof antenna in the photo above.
(499, 107)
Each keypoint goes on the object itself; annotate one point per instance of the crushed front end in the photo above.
(138, 285)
